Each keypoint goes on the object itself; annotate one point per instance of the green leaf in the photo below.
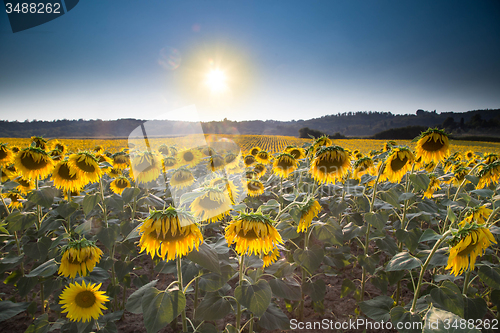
(66, 209)
(429, 235)
(38, 250)
(109, 235)
(347, 287)
(207, 328)
(410, 323)
(484, 192)
(388, 244)
(114, 201)
(376, 220)
(449, 298)
(377, 308)
(368, 262)
(255, 297)
(285, 290)
(44, 270)
(213, 307)
(43, 197)
(9, 309)
(490, 276)
(420, 181)
(161, 309)
(316, 290)
(40, 325)
(274, 319)
(26, 284)
(84, 228)
(441, 321)
(451, 215)
(402, 261)
(134, 301)
(475, 308)
(214, 281)
(310, 259)
(130, 193)
(122, 268)
(205, 257)
(330, 232)
(89, 202)
(230, 329)
(19, 221)
(406, 196)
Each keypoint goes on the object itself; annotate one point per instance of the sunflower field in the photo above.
(249, 234)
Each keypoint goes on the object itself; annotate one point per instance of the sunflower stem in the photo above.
(240, 279)
(466, 282)
(181, 288)
(38, 209)
(104, 209)
(42, 297)
(424, 268)
(250, 327)
(303, 280)
(18, 244)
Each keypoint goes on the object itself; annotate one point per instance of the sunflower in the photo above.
(228, 186)
(470, 155)
(33, 163)
(255, 187)
(173, 151)
(253, 233)
(451, 161)
(208, 151)
(364, 166)
(15, 149)
(86, 166)
(169, 163)
(308, 211)
(6, 155)
(249, 160)
(433, 186)
(147, 167)
(490, 158)
(25, 185)
(489, 174)
(163, 149)
(189, 157)
(79, 256)
(330, 164)
(254, 151)
(181, 178)
(3, 177)
(469, 242)
(39, 142)
(322, 141)
(231, 160)
(119, 184)
(98, 149)
(216, 163)
(67, 178)
(459, 173)
(56, 155)
(57, 145)
(260, 169)
(15, 198)
(231, 170)
(284, 164)
(170, 233)
(121, 160)
(478, 214)
(297, 153)
(263, 157)
(433, 145)
(114, 173)
(72, 193)
(271, 257)
(389, 145)
(398, 163)
(212, 206)
(83, 302)
(10, 171)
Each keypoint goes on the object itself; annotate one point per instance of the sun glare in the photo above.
(216, 81)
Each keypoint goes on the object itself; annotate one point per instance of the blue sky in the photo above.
(283, 60)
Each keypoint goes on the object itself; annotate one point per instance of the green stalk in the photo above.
(104, 209)
(466, 282)
(424, 268)
(238, 313)
(181, 288)
(250, 328)
(18, 244)
(38, 210)
(303, 280)
(196, 296)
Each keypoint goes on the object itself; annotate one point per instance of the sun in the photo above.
(216, 80)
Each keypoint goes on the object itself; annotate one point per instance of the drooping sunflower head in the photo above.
(147, 167)
(212, 206)
(490, 158)
(250, 174)
(284, 164)
(33, 163)
(181, 178)
(459, 173)
(98, 149)
(253, 233)
(255, 187)
(163, 149)
(434, 185)
(86, 166)
(170, 233)
(39, 142)
(232, 160)
(173, 151)
(189, 157)
(263, 157)
(216, 162)
(308, 211)
(271, 257)
(15, 149)
(364, 166)
(469, 242)
(330, 164)
(67, 178)
(489, 174)
(169, 163)
(254, 151)
(121, 160)
(57, 145)
(16, 199)
(478, 214)
(25, 185)
(296, 152)
(208, 151)
(79, 256)
(6, 155)
(260, 169)
(389, 145)
(433, 145)
(119, 184)
(83, 302)
(249, 160)
(113, 172)
(398, 163)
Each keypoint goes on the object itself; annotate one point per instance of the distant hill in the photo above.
(357, 124)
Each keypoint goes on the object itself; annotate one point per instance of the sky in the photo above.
(246, 60)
